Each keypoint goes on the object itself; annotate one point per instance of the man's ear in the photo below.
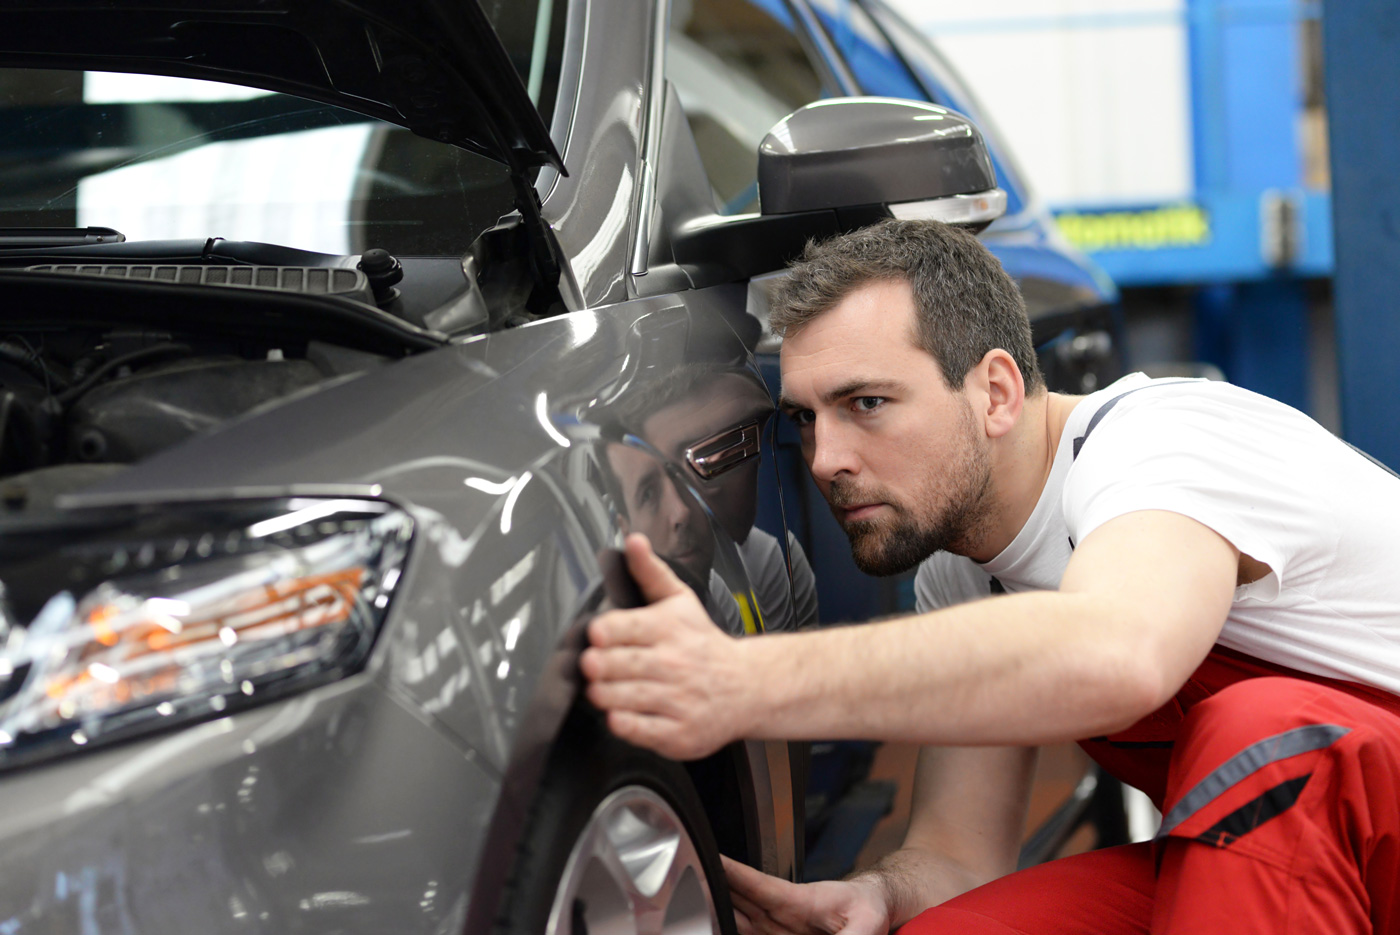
(1006, 391)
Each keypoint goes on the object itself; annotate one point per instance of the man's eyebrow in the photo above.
(787, 405)
(858, 387)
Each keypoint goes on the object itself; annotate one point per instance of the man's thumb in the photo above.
(654, 578)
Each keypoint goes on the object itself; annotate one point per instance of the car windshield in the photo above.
(171, 158)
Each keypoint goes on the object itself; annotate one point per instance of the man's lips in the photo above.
(686, 557)
(860, 511)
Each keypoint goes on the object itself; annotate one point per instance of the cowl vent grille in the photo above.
(305, 280)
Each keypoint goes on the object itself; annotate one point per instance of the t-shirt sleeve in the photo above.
(944, 580)
(1199, 459)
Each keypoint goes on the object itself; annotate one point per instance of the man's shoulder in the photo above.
(1135, 421)
(944, 579)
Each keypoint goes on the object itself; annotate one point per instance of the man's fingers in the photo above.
(638, 697)
(653, 731)
(657, 732)
(746, 919)
(654, 578)
(619, 663)
(639, 627)
(764, 891)
(750, 910)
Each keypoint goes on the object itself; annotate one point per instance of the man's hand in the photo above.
(765, 905)
(665, 675)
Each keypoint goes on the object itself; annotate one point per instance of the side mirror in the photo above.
(836, 166)
(917, 159)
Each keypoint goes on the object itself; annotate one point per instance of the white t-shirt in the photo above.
(768, 573)
(783, 607)
(1273, 482)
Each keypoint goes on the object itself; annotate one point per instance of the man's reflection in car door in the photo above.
(685, 455)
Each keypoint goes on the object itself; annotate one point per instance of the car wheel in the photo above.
(617, 842)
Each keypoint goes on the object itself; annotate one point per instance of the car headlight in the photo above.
(116, 623)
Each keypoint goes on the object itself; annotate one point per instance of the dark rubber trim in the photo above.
(1249, 761)
(1254, 813)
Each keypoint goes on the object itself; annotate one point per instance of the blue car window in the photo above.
(942, 85)
(738, 68)
(866, 52)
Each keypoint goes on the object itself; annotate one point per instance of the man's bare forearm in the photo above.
(1140, 605)
(939, 678)
(913, 879)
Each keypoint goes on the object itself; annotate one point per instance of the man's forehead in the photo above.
(877, 316)
(870, 340)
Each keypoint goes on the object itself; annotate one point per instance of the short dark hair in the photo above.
(965, 303)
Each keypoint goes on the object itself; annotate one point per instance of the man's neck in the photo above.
(1022, 468)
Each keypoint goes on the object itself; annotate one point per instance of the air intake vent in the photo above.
(306, 280)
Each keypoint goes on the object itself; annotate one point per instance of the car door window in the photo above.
(738, 68)
(867, 53)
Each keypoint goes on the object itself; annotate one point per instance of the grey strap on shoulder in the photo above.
(1370, 457)
(1103, 410)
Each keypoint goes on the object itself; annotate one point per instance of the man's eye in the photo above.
(801, 417)
(868, 403)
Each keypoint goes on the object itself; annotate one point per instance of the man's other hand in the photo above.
(765, 905)
(665, 675)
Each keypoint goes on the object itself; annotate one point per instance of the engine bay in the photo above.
(77, 404)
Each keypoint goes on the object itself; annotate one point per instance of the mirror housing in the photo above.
(833, 167)
(920, 160)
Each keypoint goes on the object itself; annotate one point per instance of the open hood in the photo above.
(435, 67)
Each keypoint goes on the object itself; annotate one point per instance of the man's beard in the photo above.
(950, 512)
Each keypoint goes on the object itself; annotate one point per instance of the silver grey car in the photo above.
(340, 345)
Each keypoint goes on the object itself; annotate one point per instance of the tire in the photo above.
(616, 841)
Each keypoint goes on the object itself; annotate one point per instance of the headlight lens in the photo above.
(123, 622)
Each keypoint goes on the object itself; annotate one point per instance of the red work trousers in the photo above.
(1281, 813)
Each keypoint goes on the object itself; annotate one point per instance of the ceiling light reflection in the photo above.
(542, 414)
(492, 487)
(509, 507)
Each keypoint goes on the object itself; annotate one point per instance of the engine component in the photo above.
(130, 418)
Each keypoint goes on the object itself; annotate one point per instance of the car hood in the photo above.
(435, 67)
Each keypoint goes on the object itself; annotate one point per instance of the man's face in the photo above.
(722, 403)
(902, 460)
(676, 526)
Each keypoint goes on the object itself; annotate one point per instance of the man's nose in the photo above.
(832, 450)
(674, 508)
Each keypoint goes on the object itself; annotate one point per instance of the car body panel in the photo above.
(590, 211)
(338, 809)
(480, 647)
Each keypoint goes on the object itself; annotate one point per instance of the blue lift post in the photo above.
(1251, 234)
(1246, 99)
(1361, 49)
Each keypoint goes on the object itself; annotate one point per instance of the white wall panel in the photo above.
(1093, 96)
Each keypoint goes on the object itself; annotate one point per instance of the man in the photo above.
(1195, 582)
(692, 404)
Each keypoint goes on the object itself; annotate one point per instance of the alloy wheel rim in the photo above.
(633, 869)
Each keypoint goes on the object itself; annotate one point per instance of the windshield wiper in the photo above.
(28, 238)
